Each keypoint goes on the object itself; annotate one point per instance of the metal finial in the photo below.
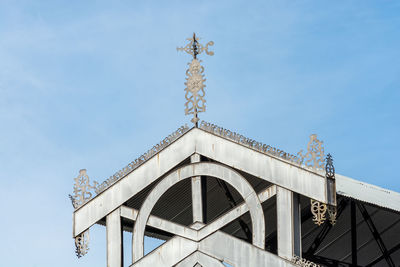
(195, 52)
(195, 101)
(194, 48)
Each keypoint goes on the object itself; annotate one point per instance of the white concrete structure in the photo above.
(215, 200)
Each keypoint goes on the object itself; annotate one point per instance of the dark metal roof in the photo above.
(337, 243)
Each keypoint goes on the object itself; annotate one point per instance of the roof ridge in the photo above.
(142, 159)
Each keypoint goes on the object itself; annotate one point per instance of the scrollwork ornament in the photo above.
(318, 211)
(329, 168)
(82, 189)
(315, 157)
(330, 176)
(195, 101)
(248, 142)
(332, 212)
(194, 48)
(304, 262)
(82, 244)
(72, 201)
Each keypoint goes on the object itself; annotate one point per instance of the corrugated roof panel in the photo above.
(369, 193)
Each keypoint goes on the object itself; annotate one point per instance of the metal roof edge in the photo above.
(369, 193)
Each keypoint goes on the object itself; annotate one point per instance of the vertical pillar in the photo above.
(284, 212)
(353, 233)
(197, 204)
(297, 225)
(114, 239)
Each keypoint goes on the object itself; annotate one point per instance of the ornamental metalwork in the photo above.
(315, 157)
(142, 159)
(304, 262)
(329, 168)
(195, 48)
(83, 190)
(82, 244)
(248, 142)
(72, 201)
(318, 210)
(330, 176)
(194, 91)
(332, 213)
(195, 101)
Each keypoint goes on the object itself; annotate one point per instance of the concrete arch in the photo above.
(200, 169)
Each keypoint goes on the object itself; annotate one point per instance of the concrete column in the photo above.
(114, 239)
(284, 210)
(197, 204)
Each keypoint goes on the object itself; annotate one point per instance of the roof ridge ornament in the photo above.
(83, 189)
(315, 156)
(195, 101)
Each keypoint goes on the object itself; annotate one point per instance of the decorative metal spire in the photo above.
(329, 168)
(195, 101)
(330, 177)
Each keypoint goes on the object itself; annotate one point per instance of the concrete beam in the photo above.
(274, 170)
(156, 222)
(239, 253)
(200, 258)
(218, 247)
(169, 253)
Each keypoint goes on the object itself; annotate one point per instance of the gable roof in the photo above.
(272, 169)
(278, 167)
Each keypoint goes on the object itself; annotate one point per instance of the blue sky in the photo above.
(93, 84)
